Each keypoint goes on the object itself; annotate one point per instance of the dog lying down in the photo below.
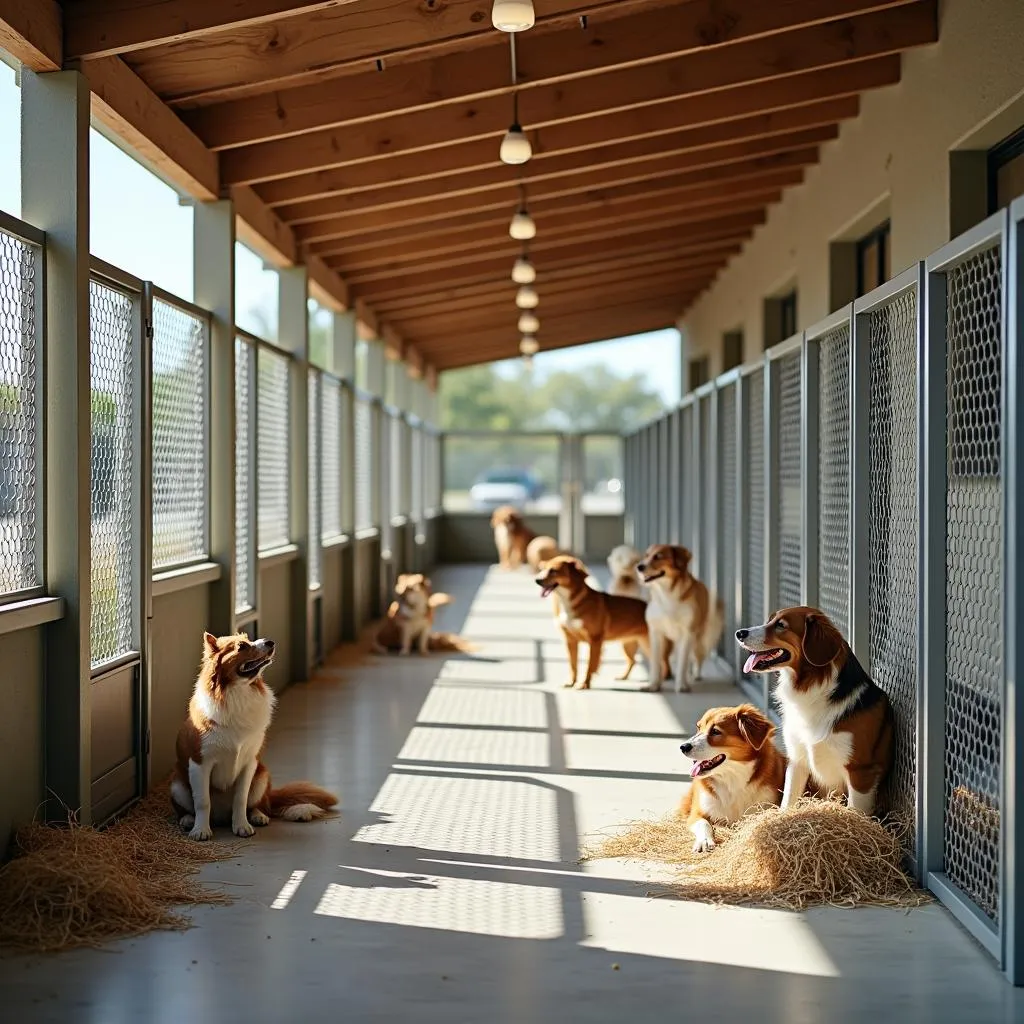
(219, 777)
(410, 619)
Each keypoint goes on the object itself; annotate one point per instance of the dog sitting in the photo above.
(736, 769)
(836, 723)
(411, 618)
(590, 615)
(680, 611)
(219, 777)
(512, 536)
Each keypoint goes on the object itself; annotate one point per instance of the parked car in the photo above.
(504, 487)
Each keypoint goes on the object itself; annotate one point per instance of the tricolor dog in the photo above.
(836, 723)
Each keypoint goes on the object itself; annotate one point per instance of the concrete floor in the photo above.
(449, 888)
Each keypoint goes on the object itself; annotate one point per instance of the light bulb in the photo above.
(523, 271)
(515, 146)
(512, 15)
(529, 345)
(527, 297)
(522, 227)
(528, 324)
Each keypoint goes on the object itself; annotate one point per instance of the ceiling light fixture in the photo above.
(512, 15)
(522, 227)
(529, 345)
(528, 324)
(523, 271)
(527, 297)
(515, 146)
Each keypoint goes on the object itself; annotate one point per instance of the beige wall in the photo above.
(967, 91)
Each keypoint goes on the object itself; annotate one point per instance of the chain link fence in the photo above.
(789, 485)
(728, 519)
(330, 457)
(273, 405)
(364, 463)
(20, 434)
(245, 475)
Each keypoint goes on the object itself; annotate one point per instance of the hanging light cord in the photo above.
(515, 77)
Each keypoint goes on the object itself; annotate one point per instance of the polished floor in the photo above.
(449, 889)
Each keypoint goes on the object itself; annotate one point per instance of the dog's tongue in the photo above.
(547, 591)
(698, 767)
(748, 665)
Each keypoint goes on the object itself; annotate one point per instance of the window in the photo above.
(779, 318)
(698, 372)
(1006, 171)
(256, 294)
(732, 349)
(873, 260)
(787, 314)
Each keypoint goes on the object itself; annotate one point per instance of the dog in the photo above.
(218, 776)
(622, 563)
(590, 615)
(680, 610)
(511, 536)
(540, 550)
(836, 722)
(411, 618)
(736, 769)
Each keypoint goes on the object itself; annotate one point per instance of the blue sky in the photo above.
(139, 224)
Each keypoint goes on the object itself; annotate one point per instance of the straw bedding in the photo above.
(73, 886)
(816, 853)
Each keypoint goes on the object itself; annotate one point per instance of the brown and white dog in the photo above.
(836, 723)
(680, 611)
(624, 581)
(590, 615)
(411, 618)
(736, 769)
(511, 536)
(219, 777)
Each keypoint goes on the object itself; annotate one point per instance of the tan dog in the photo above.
(540, 550)
(622, 563)
(736, 769)
(511, 536)
(411, 618)
(590, 615)
(680, 611)
(837, 724)
(219, 776)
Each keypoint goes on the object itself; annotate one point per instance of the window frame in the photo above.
(881, 237)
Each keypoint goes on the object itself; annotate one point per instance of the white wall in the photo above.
(967, 88)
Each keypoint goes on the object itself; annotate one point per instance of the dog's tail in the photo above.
(449, 642)
(436, 600)
(300, 801)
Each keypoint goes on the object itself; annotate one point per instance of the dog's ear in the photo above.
(210, 646)
(821, 641)
(681, 557)
(754, 727)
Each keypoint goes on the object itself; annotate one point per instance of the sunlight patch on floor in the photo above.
(504, 747)
(484, 705)
(469, 905)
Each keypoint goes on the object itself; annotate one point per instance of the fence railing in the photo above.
(870, 466)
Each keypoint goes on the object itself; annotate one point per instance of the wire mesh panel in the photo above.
(754, 611)
(364, 464)
(728, 496)
(395, 460)
(790, 484)
(705, 543)
(272, 461)
(974, 578)
(834, 476)
(245, 476)
(417, 459)
(893, 525)
(20, 439)
(314, 477)
(181, 458)
(114, 352)
(687, 497)
(330, 457)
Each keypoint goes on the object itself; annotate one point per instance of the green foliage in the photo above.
(594, 398)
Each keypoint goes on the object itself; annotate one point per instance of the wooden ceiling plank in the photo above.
(32, 32)
(105, 28)
(684, 39)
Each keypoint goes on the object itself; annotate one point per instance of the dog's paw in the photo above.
(651, 688)
(243, 829)
(704, 845)
(187, 820)
(704, 841)
(569, 685)
(200, 834)
(258, 818)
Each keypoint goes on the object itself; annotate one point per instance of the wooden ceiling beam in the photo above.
(31, 31)
(555, 226)
(105, 28)
(679, 45)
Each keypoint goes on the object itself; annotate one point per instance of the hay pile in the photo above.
(72, 886)
(816, 853)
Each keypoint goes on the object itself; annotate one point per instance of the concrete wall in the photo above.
(275, 619)
(964, 93)
(21, 730)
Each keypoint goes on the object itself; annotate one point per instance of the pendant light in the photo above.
(527, 297)
(528, 324)
(515, 146)
(512, 15)
(523, 271)
(522, 227)
(528, 345)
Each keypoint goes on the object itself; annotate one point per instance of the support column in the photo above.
(213, 260)
(343, 346)
(293, 334)
(55, 198)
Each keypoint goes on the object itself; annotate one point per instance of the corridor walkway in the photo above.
(449, 888)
